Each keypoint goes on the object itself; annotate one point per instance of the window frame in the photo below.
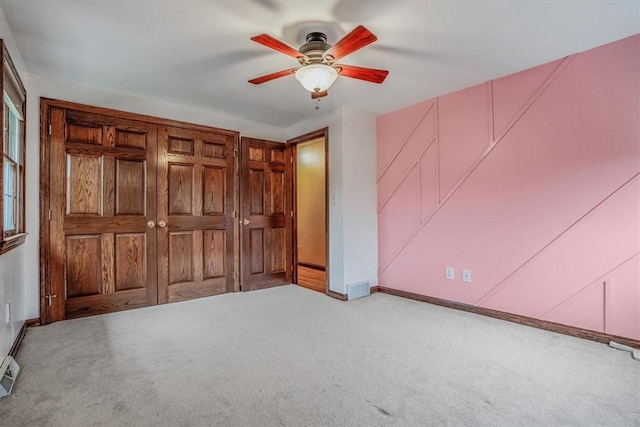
(13, 238)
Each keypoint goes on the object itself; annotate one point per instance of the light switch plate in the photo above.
(449, 273)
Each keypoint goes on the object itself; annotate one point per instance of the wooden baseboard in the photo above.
(15, 348)
(13, 352)
(344, 297)
(523, 320)
(337, 295)
(32, 323)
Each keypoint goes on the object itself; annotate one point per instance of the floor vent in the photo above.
(9, 371)
(358, 290)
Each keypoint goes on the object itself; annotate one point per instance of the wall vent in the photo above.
(9, 371)
(358, 290)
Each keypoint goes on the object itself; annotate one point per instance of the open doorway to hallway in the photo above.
(310, 217)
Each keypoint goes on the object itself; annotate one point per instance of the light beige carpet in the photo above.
(288, 356)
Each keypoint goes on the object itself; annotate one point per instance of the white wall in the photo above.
(360, 219)
(12, 264)
(41, 86)
(353, 226)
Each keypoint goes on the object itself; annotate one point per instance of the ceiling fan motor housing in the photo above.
(315, 46)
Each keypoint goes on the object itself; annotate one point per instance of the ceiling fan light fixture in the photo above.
(316, 77)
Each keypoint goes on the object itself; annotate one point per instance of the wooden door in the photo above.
(265, 214)
(196, 197)
(102, 195)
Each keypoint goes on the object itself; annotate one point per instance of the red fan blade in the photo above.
(369, 74)
(358, 38)
(273, 43)
(269, 77)
(316, 95)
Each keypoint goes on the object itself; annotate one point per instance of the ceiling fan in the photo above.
(318, 69)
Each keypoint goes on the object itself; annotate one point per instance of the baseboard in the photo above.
(523, 320)
(13, 352)
(32, 323)
(337, 295)
(344, 297)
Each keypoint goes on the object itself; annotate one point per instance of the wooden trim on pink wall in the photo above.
(537, 183)
(399, 150)
(543, 87)
(406, 175)
(484, 298)
(492, 144)
(515, 318)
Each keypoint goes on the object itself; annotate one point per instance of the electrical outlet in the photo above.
(8, 312)
(466, 276)
(449, 273)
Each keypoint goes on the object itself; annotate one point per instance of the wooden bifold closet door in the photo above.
(139, 213)
(195, 200)
(102, 193)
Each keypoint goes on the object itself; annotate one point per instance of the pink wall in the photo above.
(532, 181)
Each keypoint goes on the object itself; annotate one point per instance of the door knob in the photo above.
(245, 222)
(162, 224)
(151, 224)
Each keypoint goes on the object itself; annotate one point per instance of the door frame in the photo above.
(319, 133)
(46, 104)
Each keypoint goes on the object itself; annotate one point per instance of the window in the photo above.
(12, 168)
(12, 158)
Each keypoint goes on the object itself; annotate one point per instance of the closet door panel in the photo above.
(102, 195)
(196, 201)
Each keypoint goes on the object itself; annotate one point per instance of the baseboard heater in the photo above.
(9, 371)
(358, 290)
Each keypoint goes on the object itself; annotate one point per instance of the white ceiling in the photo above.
(198, 53)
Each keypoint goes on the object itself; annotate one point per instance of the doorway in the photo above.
(311, 213)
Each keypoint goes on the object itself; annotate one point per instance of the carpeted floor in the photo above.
(289, 356)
